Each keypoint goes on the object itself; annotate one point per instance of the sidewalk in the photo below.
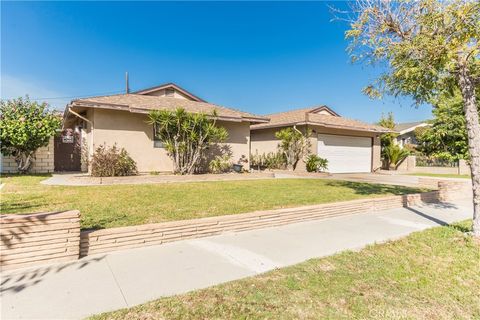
(126, 278)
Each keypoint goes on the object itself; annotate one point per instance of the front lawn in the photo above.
(440, 175)
(122, 205)
(431, 274)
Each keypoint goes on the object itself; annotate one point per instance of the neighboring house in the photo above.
(122, 119)
(348, 145)
(406, 132)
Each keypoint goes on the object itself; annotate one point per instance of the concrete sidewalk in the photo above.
(107, 282)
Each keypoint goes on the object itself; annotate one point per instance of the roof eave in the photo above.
(320, 124)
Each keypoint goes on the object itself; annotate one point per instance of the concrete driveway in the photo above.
(126, 278)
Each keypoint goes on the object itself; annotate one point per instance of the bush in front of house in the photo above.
(316, 164)
(112, 161)
(270, 160)
(220, 164)
(294, 144)
(187, 136)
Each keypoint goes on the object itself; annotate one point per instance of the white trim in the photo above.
(413, 128)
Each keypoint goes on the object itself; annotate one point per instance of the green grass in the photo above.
(122, 205)
(433, 274)
(440, 175)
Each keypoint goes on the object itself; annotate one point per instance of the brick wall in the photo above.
(39, 238)
(106, 240)
(451, 190)
(50, 237)
(43, 162)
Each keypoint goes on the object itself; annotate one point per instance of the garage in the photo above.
(346, 154)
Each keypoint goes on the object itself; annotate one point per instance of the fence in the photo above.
(424, 165)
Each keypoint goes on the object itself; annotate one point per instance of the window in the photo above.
(156, 142)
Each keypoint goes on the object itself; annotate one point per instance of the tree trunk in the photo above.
(24, 161)
(473, 129)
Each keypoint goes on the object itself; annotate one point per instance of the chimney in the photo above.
(127, 88)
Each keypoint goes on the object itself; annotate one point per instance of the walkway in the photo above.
(126, 278)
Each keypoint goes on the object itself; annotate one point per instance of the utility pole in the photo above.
(127, 89)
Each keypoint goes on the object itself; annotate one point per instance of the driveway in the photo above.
(122, 279)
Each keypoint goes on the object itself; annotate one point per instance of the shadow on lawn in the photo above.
(364, 188)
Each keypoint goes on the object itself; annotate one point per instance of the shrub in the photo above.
(316, 164)
(111, 161)
(271, 160)
(394, 154)
(294, 144)
(220, 164)
(186, 136)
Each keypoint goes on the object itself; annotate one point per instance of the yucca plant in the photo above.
(186, 136)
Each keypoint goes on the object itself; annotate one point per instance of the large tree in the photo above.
(446, 136)
(25, 126)
(424, 48)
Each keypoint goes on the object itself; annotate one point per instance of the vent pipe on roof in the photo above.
(127, 89)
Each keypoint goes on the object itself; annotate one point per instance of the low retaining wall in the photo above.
(451, 190)
(39, 238)
(106, 240)
(51, 237)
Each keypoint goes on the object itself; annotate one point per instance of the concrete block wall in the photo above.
(107, 240)
(52, 237)
(39, 238)
(43, 162)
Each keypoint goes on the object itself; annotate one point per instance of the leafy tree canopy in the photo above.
(25, 126)
(446, 138)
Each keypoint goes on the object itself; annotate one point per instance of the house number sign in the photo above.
(67, 139)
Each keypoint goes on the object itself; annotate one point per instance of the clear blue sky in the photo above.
(261, 57)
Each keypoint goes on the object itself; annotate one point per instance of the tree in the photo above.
(446, 136)
(294, 144)
(25, 126)
(186, 136)
(424, 47)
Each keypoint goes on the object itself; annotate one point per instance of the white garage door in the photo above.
(346, 153)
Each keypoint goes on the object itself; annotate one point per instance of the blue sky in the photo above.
(261, 57)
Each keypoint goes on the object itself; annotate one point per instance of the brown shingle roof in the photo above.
(143, 104)
(307, 116)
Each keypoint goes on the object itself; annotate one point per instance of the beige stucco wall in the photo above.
(43, 162)
(132, 132)
(264, 141)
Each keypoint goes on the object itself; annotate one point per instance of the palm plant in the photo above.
(394, 155)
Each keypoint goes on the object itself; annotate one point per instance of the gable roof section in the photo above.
(312, 117)
(402, 128)
(169, 85)
(137, 103)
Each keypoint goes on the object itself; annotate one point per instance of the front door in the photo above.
(67, 151)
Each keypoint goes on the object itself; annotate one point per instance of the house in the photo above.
(348, 145)
(122, 119)
(406, 132)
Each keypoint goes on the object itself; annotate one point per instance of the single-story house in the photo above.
(122, 119)
(406, 132)
(348, 145)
